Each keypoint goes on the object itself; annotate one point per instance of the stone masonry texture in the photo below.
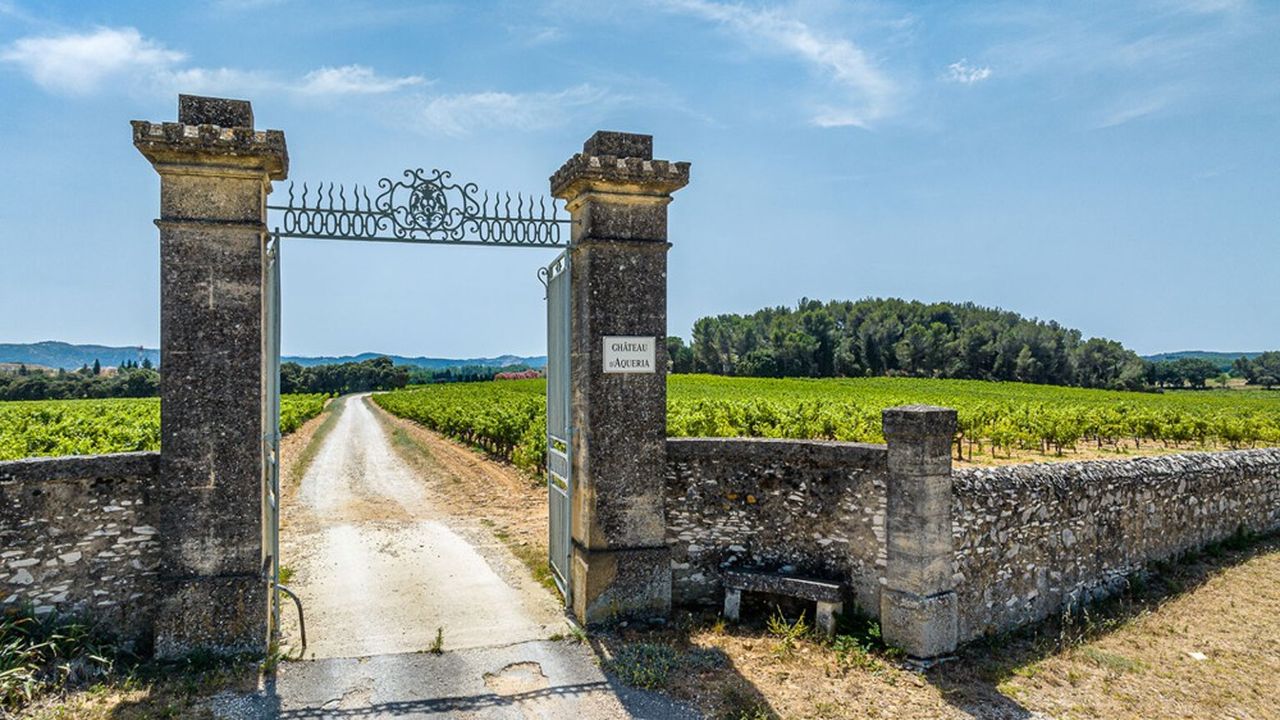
(798, 507)
(198, 110)
(78, 539)
(1030, 539)
(618, 196)
(214, 180)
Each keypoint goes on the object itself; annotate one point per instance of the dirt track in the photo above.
(380, 566)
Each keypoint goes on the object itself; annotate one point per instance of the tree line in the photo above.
(893, 337)
(464, 373)
(129, 380)
(1263, 370)
(379, 373)
(134, 380)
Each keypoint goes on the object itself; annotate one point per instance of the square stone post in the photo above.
(215, 172)
(918, 602)
(617, 195)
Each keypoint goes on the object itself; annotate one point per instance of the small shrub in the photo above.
(854, 654)
(437, 645)
(788, 634)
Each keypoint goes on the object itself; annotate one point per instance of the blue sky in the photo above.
(1113, 166)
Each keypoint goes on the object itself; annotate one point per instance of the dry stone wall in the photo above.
(76, 538)
(812, 508)
(1030, 539)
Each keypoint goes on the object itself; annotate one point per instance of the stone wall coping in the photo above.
(242, 147)
(74, 467)
(829, 453)
(918, 421)
(1073, 474)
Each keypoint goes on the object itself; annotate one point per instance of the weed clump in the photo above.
(42, 654)
(789, 634)
(644, 665)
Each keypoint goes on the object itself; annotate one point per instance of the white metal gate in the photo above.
(559, 424)
(271, 435)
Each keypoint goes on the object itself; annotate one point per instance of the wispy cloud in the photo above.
(1120, 63)
(122, 60)
(866, 92)
(1207, 7)
(539, 35)
(240, 5)
(462, 113)
(9, 9)
(1138, 105)
(964, 73)
(353, 80)
(80, 63)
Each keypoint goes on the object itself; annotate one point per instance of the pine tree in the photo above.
(97, 367)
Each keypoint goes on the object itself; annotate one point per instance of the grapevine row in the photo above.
(38, 428)
(508, 419)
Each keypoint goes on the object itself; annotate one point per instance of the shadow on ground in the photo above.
(649, 665)
(971, 682)
(668, 671)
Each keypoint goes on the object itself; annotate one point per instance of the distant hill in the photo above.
(14, 367)
(536, 361)
(1222, 359)
(56, 354)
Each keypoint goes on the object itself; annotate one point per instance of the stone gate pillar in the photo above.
(618, 195)
(918, 611)
(215, 173)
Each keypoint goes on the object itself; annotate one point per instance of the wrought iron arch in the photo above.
(421, 207)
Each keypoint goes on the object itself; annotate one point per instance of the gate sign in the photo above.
(626, 354)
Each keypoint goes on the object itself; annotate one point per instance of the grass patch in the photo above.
(531, 557)
(1112, 662)
(41, 654)
(644, 665)
(308, 454)
(60, 668)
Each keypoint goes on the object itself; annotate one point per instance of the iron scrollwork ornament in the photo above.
(421, 207)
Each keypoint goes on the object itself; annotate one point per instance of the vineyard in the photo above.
(89, 427)
(999, 422)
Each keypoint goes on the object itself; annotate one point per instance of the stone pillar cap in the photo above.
(620, 163)
(213, 132)
(918, 420)
(223, 112)
(619, 144)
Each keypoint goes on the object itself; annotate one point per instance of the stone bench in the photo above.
(828, 595)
